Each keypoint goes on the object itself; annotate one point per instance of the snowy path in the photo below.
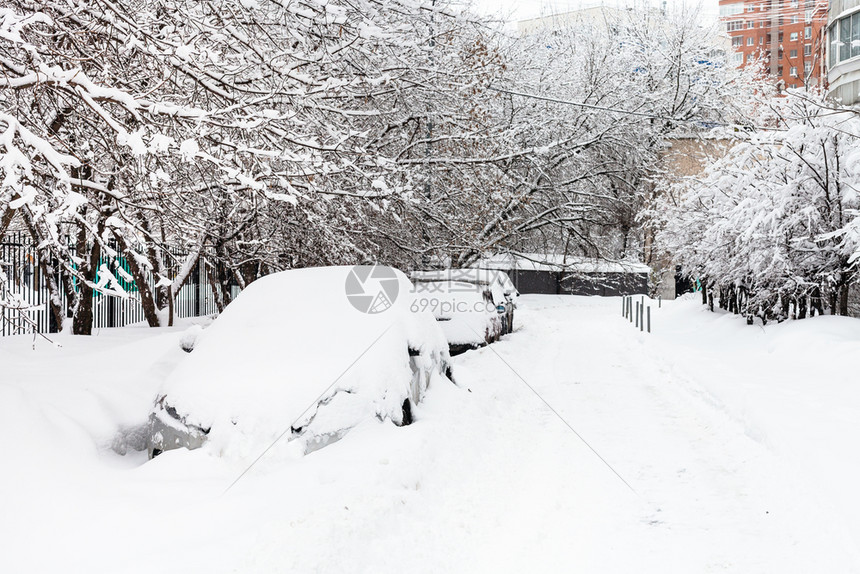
(712, 495)
(739, 463)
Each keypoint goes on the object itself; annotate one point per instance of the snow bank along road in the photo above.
(739, 442)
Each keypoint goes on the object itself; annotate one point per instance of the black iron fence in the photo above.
(27, 288)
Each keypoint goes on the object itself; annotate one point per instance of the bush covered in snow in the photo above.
(774, 225)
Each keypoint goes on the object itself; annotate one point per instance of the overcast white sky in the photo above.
(524, 9)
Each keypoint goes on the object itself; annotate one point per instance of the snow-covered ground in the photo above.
(738, 444)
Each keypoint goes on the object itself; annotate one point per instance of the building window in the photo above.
(731, 9)
(807, 69)
(761, 39)
(750, 8)
(808, 16)
(735, 25)
(793, 37)
(807, 50)
(750, 24)
(834, 44)
(807, 32)
(792, 54)
(795, 4)
(794, 19)
(737, 41)
(779, 70)
(750, 41)
(768, 39)
(780, 38)
(855, 34)
(792, 71)
(844, 39)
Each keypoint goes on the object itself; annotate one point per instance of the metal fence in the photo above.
(19, 261)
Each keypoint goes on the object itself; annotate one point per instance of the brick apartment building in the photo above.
(788, 35)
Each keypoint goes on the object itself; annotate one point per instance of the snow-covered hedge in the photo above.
(773, 226)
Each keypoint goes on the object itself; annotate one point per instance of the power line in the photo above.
(628, 112)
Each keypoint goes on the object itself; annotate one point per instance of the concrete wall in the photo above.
(839, 6)
(689, 155)
(684, 156)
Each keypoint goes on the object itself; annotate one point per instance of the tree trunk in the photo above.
(843, 300)
(82, 322)
(147, 299)
(6, 218)
(219, 275)
(55, 301)
(216, 289)
(815, 302)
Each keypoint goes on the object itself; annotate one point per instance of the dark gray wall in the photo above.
(557, 282)
(605, 284)
(543, 282)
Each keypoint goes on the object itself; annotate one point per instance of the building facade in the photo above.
(843, 51)
(788, 36)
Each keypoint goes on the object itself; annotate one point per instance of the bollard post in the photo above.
(649, 318)
(630, 309)
(637, 313)
(659, 301)
(642, 317)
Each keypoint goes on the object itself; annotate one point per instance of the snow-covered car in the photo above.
(307, 354)
(494, 285)
(473, 312)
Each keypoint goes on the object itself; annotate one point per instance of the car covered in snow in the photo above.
(306, 354)
(475, 307)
